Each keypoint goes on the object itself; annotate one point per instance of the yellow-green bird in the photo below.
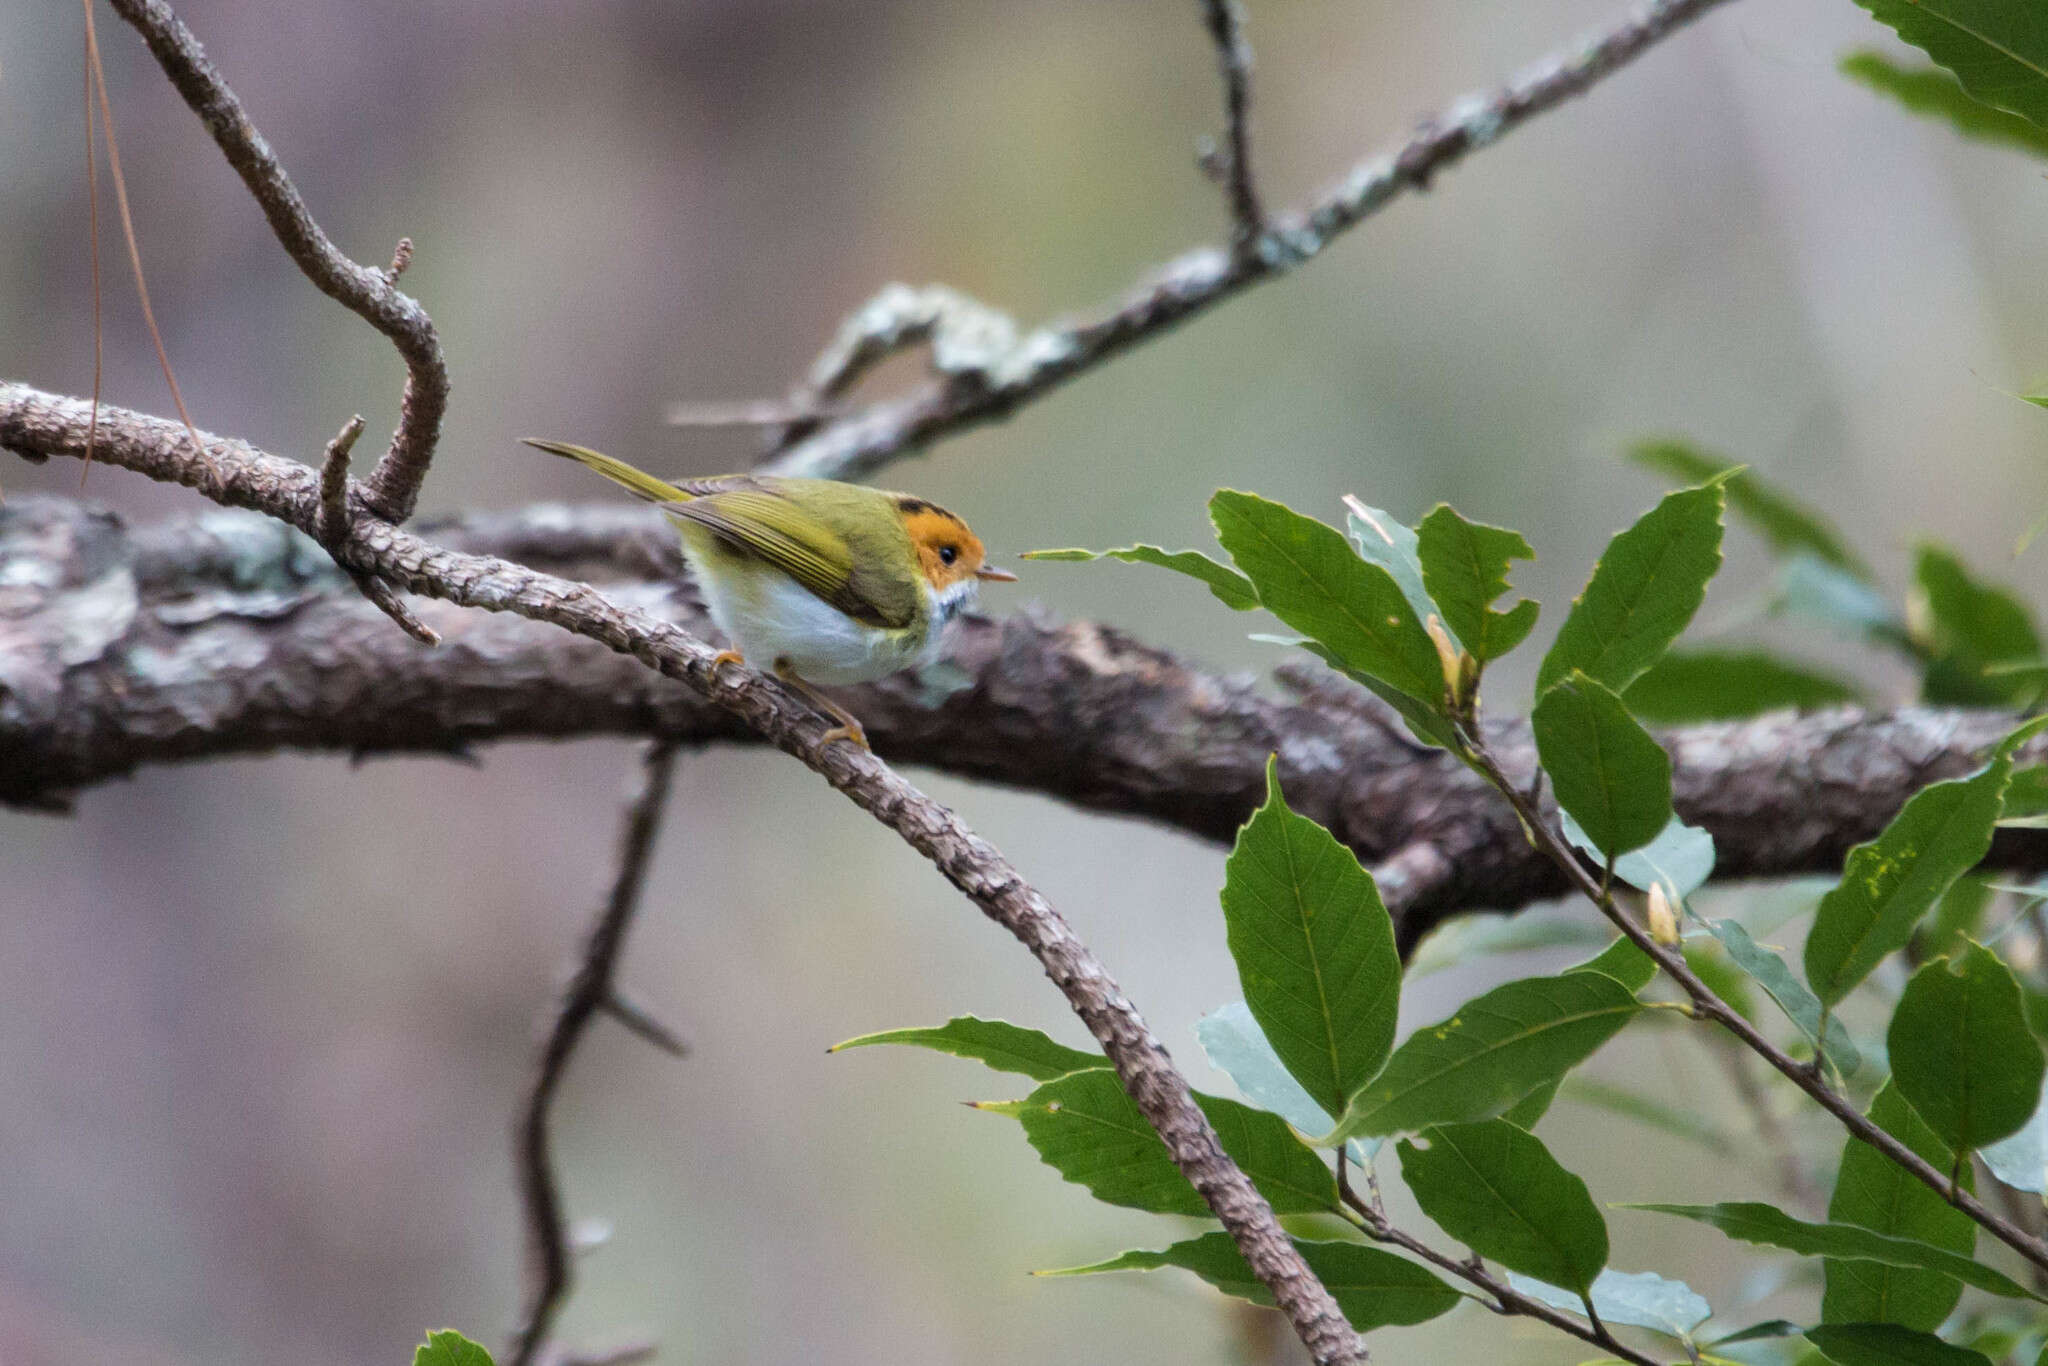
(826, 582)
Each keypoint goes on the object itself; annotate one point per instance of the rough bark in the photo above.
(227, 633)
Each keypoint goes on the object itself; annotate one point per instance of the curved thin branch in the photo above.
(589, 990)
(241, 476)
(393, 487)
(861, 442)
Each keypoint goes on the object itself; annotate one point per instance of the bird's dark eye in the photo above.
(948, 554)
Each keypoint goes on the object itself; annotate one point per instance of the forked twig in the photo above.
(588, 991)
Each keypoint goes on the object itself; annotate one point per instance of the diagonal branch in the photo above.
(590, 989)
(861, 442)
(393, 488)
(1225, 22)
(241, 476)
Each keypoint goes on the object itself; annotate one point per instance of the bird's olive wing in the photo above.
(800, 544)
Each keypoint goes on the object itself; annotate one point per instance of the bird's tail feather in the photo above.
(642, 484)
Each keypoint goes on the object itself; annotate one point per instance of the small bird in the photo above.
(828, 582)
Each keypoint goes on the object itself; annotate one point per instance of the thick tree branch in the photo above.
(958, 397)
(225, 634)
(393, 487)
(238, 475)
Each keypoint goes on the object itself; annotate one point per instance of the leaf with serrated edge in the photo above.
(1497, 1048)
(1084, 1127)
(1874, 1192)
(1890, 882)
(1465, 569)
(1309, 577)
(1496, 1189)
(1783, 521)
(1770, 1226)
(1961, 1051)
(1314, 949)
(449, 1348)
(1374, 1289)
(1887, 1344)
(1643, 593)
(997, 1043)
(1998, 49)
(1231, 588)
(1607, 771)
(1640, 1299)
(1933, 93)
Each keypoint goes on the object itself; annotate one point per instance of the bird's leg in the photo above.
(849, 727)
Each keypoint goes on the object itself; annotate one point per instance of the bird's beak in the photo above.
(990, 572)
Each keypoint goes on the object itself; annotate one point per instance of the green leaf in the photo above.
(1465, 568)
(1495, 1050)
(998, 1043)
(1307, 576)
(1529, 1111)
(1237, 1047)
(1643, 592)
(1609, 775)
(1681, 858)
(1998, 49)
(1933, 93)
(1729, 685)
(1962, 1052)
(1314, 949)
(1382, 540)
(1231, 588)
(1800, 1005)
(1887, 1344)
(1971, 626)
(1786, 523)
(1890, 882)
(1770, 1226)
(1809, 586)
(2021, 1161)
(1622, 961)
(1640, 1299)
(1085, 1128)
(1374, 1289)
(1425, 720)
(1496, 1189)
(449, 1348)
(1874, 1192)
(1959, 915)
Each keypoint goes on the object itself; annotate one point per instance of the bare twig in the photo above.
(334, 518)
(638, 1020)
(864, 441)
(393, 488)
(587, 991)
(1225, 21)
(332, 529)
(1708, 1005)
(289, 492)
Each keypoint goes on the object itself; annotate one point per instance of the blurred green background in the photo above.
(262, 1023)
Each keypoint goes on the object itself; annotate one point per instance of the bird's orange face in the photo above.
(947, 552)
